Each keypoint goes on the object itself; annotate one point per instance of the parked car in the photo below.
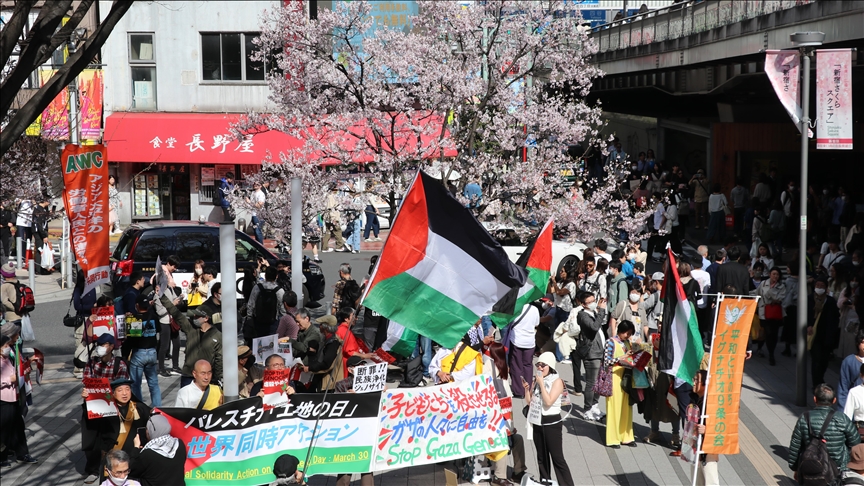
(141, 243)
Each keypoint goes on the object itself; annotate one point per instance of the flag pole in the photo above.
(702, 415)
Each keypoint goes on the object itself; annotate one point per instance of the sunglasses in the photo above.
(541, 365)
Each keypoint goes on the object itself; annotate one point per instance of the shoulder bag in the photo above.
(203, 400)
(603, 385)
(72, 321)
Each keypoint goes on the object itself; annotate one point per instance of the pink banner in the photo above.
(834, 99)
(55, 118)
(784, 70)
(90, 102)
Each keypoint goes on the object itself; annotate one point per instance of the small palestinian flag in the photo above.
(439, 270)
(680, 342)
(537, 261)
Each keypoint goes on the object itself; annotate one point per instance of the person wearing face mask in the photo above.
(103, 364)
(199, 287)
(823, 329)
(162, 459)
(589, 349)
(12, 435)
(117, 470)
(630, 310)
(203, 340)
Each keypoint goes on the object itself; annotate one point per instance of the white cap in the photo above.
(657, 276)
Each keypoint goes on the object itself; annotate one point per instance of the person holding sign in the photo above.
(119, 432)
(545, 417)
(619, 412)
(103, 365)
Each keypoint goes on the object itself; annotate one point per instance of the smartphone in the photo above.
(142, 435)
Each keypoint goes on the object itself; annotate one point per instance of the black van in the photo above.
(141, 243)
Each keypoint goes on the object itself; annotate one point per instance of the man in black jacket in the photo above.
(7, 221)
(823, 328)
(733, 273)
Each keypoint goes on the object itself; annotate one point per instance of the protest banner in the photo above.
(434, 424)
(100, 401)
(264, 346)
(237, 443)
(370, 378)
(160, 278)
(725, 373)
(103, 322)
(690, 437)
(284, 349)
(276, 383)
(85, 196)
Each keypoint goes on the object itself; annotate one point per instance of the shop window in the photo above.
(142, 62)
(228, 57)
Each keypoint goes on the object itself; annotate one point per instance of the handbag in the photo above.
(603, 385)
(773, 312)
(72, 321)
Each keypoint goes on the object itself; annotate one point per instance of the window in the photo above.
(142, 62)
(150, 246)
(246, 252)
(195, 245)
(228, 57)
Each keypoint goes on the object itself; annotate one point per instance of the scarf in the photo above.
(165, 446)
(126, 420)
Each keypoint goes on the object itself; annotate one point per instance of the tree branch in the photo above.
(66, 31)
(13, 29)
(65, 75)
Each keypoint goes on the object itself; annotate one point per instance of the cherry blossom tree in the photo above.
(31, 169)
(490, 93)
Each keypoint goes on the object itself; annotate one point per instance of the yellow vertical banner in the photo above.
(726, 371)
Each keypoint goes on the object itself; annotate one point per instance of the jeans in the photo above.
(256, 224)
(372, 223)
(426, 346)
(354, 237)
(592, 370)
(144, 362)
(716, 226)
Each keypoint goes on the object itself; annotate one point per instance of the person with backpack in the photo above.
(265, 308)
(821, 440)
(18, 300)
(346, 292)
(102, 364)
(220, 196)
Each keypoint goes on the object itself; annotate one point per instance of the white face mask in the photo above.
(592, 306)
(198, 271)
(634, 297)
(117, 481)
(101, 351)
(6, 352)
(819, 291)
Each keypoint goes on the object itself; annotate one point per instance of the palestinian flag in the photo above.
(537, 261)
(399, 340)
(680, 342)
(439, 270)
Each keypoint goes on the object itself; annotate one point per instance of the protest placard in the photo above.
(370, 378)
(264, 346)
(103, 322)
(276, 382)
(436, 424)
(285, 349)
(99, 401)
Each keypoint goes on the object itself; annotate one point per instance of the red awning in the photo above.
(201, 138)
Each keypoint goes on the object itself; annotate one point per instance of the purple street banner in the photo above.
(434, 424)
(237, 443)
(834, 99)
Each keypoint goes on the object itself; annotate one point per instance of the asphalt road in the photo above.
(57, 342)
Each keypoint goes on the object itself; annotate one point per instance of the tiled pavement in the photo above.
(766, 413)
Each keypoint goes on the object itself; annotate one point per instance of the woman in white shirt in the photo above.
(764, 256)
(854, 408)
(717, 219)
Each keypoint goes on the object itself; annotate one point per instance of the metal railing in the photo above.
(683, 19)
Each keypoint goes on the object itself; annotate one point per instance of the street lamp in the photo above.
(805, 41)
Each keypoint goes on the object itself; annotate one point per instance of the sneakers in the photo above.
(175, 371)
(28, 459)
(354, 251)
(316, 259)
(90, 479)
(565, 361)
(329, 250)
(78, 374)
(165, 373)
(369, 240)
(376, 239)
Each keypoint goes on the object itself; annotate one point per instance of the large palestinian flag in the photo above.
(537, 262)
(439, 270)
(680, 342)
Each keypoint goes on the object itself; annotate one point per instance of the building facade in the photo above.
(177, 75)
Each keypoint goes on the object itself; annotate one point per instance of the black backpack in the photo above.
(266, 304)
(350, 293)
(815, 466)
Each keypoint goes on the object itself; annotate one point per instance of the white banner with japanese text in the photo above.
(784, 71)
(834, 99)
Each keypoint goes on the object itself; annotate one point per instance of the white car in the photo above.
(563, 252)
